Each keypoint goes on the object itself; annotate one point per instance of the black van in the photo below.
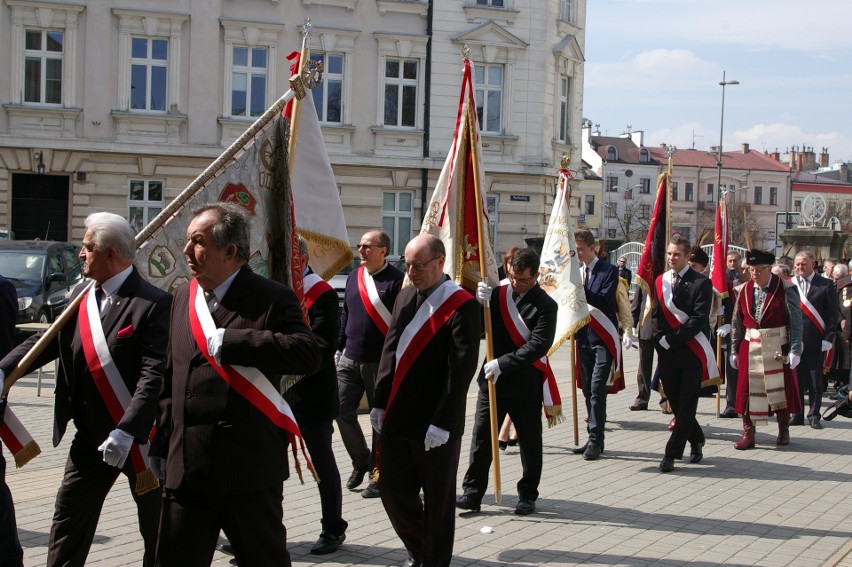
(44, 273)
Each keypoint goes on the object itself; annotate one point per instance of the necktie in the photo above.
(675, 279)
(585, 276)
(421, 297)
(804, 284)
(99, 297)
(515, 296)
(210, 296)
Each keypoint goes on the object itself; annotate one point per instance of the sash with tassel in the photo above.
(19, 441)
(111, 386)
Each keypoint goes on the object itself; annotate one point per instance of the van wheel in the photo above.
(43, 316)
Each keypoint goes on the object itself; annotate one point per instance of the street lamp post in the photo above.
(723, 83)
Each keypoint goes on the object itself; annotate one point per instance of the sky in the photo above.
(656, 65)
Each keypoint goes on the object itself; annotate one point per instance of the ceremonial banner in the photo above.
(452, 213)
(718, 274)
(17, 439)
(653, 260)
(559, 274)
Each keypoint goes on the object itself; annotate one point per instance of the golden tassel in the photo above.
(146, 481)
(29, 452)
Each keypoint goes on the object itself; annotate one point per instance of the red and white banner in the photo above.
(718, 273)
(17, 439)
(376, 310)
(315, 286)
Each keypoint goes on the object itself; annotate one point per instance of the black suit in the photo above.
(226, 461)
(434, 391)
(823, 296)
(680, 369)
(139, 358)
(519, 393)
(315, 405)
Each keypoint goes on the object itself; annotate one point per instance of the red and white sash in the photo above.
(19, 441)
(699, 344)
(110, 384)
(429, 319)
(314, 286)
(247, 381)
(376, 310)
(608, 333)
(520, 334)
(811, 313)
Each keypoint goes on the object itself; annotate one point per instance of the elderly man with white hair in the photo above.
(842, 360)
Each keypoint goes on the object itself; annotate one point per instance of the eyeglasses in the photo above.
(417, 266)
(368, 246)
(523, 281)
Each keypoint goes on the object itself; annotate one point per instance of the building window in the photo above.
(144, 202)
(611, 210)
(710, 192)
(645, 186)
(611, 154)
(590, 205)
(797, 205)
(397, 217)
(401, 92)
(628, 193)
(687, 191)
(611, 183)
(148, 73)
(492, 3)
(643, 156)
(564, 110)
(644, 211)
(328, 95)
(43, 51)
(773, 195)
(488, 82)
(758, 195)
(248, 80)
(674, 190)
(566, 11)
(610, 233)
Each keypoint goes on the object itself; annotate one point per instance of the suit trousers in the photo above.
(11, 554)
(252, 521)
(85, 485)
(680, 373)
(317, 436)
(526, 417)
(809, 372)
(595, 366)
(646, 370)
(426, 527)
(731, 376)
(353, 379)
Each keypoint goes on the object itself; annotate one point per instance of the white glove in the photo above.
(734, 362)
(214, 345)
(724, 331)
(483, 292)
(793, 360)
(626, 342)
(492, 368)
(435, 437)
(116, 447)
(721, 311)
(337, 356)
(158, 466)
(826, 346)
(377, 419)
(664, 343)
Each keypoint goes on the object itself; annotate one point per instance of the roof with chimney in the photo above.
(745, 159)
(626, 149)
(807, 177)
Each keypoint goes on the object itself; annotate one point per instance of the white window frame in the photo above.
(250, 35)
(398, 46)
(758, 194)
(645, 186)
(44, 16)
(150, 25)
(149, 63)
(398, 244)
(327, 78)
(490, 3)
(401, 82)
(564, 122)
(482, 91)
(250, 71)
(589, 208)
(43, 56)
(146, 204)
(566, 11)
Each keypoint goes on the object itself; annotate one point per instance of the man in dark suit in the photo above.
(646, 348)
(427, 363)
(596, 348)
(681, 323)
(623, 270)
(223, 428)
(315, 405)
(10, 545)
(133, 317)
(819, 323)
(519, 389)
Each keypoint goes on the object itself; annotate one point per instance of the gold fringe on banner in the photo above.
(29, 452)
(554, 415)
(146, 481)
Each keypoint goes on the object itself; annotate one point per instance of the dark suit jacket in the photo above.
(215, 440)
(8, 314)
(435, 389)
(693, 296)
(519, 379)
(600, 292)
(139, 358)
(637, 310)
(314, 398)
(823, 295)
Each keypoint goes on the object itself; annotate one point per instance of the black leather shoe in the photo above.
(356, 478)
(502, 444)
(593, 451)
(525, 507)
(580, 450)
(411, 562)
(667, 464)
(639, 406)
(696, 453)
(466, 502)
(729, 413)
(327, 543)
(815, 424)
(797, 419)
(372, 491)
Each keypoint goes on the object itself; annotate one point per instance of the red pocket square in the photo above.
(125, 332)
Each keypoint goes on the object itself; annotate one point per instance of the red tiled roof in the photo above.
(628, 151)
(752, 160)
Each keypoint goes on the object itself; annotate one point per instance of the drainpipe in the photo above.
(427, 95)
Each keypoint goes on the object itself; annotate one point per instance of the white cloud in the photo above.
(646, 70)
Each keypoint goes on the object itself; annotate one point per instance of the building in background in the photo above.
(118, 106)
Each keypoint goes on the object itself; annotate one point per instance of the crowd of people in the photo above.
(232, 369)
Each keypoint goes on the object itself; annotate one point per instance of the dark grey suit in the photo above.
(823, 296)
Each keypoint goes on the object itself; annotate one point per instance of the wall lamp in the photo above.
(39, 156)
